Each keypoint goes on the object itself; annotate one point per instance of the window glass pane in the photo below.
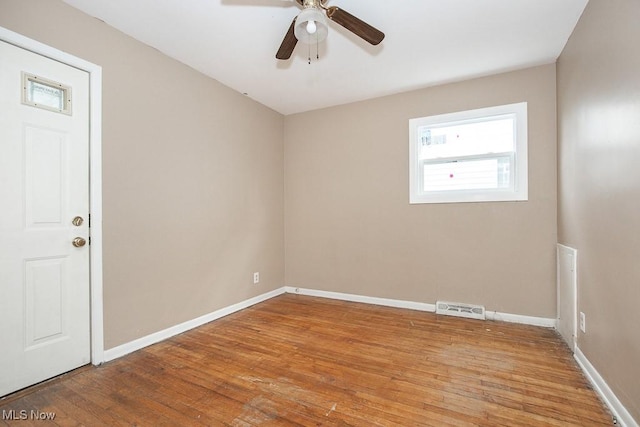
(43, 94)
(467, 174)
(490, 135)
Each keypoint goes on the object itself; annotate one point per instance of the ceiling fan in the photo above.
(310, 26)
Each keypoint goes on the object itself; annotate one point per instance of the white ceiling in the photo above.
(427, 42)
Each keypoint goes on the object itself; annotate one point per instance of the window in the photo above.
(42, 93)
(470, 156)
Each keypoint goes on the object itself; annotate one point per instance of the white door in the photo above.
(44, 185)
(567, 284)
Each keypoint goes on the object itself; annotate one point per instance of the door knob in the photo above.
(78, 242)
(77, 221)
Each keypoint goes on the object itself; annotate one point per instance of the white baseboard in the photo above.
(130, 347)
(622, 416)
(421, 306)
(145, 341)
(518, 318)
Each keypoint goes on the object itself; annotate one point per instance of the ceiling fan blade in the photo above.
(288, 43)
(355, 25)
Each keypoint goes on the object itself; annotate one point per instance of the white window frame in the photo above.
(519, 176)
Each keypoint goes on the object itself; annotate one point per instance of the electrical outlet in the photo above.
(583, 326)
(256, 277)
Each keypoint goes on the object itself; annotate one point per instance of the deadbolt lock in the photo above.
(77, 221)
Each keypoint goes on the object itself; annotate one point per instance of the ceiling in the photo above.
(428, 42)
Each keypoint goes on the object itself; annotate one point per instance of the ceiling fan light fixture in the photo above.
(311, 26)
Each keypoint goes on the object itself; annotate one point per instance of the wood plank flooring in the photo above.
(296, 360)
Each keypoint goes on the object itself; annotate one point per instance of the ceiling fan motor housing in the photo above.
(314, 3)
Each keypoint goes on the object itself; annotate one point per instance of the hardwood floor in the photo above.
(297, 360)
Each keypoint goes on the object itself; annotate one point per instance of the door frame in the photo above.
(95, 176)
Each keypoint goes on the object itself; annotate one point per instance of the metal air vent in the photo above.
(460, 310)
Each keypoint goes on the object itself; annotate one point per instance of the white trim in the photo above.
(145, 341)
(420, 306)
(620, 413)
(130, 347)
(518, 318)
(95, 175)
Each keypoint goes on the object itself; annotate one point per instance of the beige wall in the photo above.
(192, 178)
(349, 226)
(599, 196)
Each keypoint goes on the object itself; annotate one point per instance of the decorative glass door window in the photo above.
(46, 94)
